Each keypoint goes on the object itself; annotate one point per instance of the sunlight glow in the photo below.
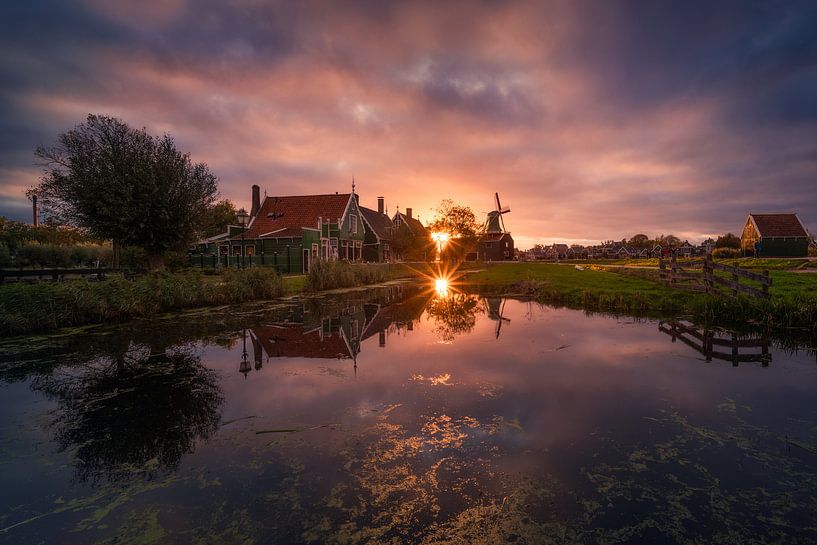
(441, 286)
(440, 239)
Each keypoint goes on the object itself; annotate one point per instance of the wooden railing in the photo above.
(700, 275)
(59, 274)
(705, 342)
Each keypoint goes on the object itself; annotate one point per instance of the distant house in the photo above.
(685, 250)
(407, 223)
(774, 235)
(379, 231)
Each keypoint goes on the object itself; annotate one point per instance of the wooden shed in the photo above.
(774, 235)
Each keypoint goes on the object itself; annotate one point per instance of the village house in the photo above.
(379, 230)
(289, 232)
(774, 235)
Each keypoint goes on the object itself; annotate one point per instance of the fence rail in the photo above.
(699, 275)
(59, 274)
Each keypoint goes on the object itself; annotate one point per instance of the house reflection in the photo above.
(336, 334)
(720, 345)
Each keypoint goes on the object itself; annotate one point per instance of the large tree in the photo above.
(460, 223)
(728, 240)
(123, 184)
(216, 218)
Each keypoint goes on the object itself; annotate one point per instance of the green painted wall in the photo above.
(773, 247)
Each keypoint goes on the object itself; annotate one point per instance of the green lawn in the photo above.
(776, 264)
(793, 302)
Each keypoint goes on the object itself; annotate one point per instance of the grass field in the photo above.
(777, 264)
(793, 302)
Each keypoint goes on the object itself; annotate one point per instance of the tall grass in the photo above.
(26, 308)
(327, 275)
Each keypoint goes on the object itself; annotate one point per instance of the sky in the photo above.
(593, 120)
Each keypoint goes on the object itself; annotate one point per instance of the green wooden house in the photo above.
(379, 230)
(290, 232)
(774, 235)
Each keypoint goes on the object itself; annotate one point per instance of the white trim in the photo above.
(272, 232)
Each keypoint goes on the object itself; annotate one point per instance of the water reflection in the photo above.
(132, 415)
(714, 343)
(565, 427)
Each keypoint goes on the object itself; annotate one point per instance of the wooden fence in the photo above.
(705, 342)
(701, 275)
(60, 274)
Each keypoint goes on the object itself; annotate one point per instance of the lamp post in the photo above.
(243, 219)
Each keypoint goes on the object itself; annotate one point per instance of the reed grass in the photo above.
(327, 275)
(46, 306)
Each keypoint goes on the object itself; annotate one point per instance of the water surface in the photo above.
(398, 416)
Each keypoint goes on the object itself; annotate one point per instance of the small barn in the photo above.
(774, 235)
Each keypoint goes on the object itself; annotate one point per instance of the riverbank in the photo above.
(793, 303)
(48, 306)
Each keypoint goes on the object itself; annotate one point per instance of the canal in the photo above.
(405, 416)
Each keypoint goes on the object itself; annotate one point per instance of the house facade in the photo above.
(774, 235)
(379, 231)
(290, 232)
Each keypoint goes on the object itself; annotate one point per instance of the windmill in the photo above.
(494, 224)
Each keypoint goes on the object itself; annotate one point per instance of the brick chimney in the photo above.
(256, 200)
(408, 213)
(380, 202)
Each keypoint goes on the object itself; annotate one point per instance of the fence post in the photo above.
(736, 280)
(673, 265)
(289, 267)
(709, 272)
(766, 283)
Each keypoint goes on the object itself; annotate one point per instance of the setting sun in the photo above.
(441, 286)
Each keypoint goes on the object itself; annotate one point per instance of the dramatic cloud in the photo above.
(593, 120)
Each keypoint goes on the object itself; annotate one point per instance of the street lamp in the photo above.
(243, 219)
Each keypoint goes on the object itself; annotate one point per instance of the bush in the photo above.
(812, 251)
(327, 275)
(726, 253)
(5, 255)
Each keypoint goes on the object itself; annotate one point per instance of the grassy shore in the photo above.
(793, 303)
(46, 306)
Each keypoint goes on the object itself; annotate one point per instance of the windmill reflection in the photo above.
(712, 344)
(135, 415)
(495, 307)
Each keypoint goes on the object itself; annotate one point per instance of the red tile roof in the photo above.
(285, 216)
(290, 341)
(779, 225)
(415, 226)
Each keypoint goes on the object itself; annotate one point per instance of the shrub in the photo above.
(812, 251)
(726, 253)
(5, 255)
